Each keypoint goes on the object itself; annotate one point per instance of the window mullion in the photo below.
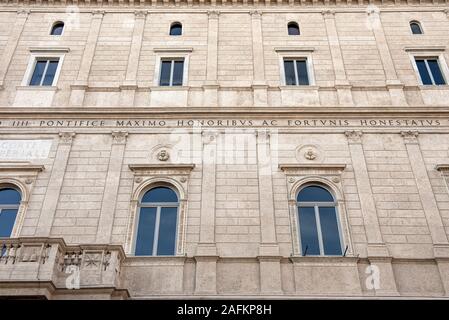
(296, 73)
(318, 226)
(44, 73)
(429, 71)
(172, 67)
(156, 230)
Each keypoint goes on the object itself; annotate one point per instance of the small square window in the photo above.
(429, 71)
(44, 72)
(296, 73)
(172, 72)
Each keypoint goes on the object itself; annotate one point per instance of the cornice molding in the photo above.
(21, 167)
(99, 5)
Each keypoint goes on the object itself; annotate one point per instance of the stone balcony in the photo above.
(49, 268)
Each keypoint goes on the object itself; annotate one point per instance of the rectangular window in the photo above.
(44, 72)
(296, 73)
(172, 72)
(429, 71)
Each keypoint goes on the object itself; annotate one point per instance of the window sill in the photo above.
(433, 87)
(154, 260)
(324, 260)
(169, 88)
(36, 88)
(302, 87)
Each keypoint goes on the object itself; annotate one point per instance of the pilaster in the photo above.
(80, 86)
(11, 45)
(129, 86)
(341, 82)
(211, 85)
(51, 198)
(112, 183)
(259, 85)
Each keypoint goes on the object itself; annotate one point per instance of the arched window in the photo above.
(293, 29)
(319, 227)
(176, 29)
(9, 206)
(415, 26)
(157, 223)
(57, 28)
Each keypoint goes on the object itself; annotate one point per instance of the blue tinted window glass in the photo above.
(308, 231)
(289, 71)
(9, 196)
(425, 78)
(436, 72)
(329, 231)
(293, 29)
(38, 73)
(176, 29)
(303, 77)
(50, 74)
(145, 232)
(167, 232)
(416, 29)
(7, 219)
(57, 29)
(160, 194)
(178, 73)
(314, 194)
(165, 73)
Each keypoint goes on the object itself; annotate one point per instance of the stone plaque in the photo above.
(24, 149)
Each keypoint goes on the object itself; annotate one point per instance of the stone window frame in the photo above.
(414, 21)
(21, 177)
(148, 176)
(43, 53)
(424, 52)
(53, 26)
(296, 53)
(171, 53)
(299, 176)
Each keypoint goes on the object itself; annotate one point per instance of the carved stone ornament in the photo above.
(163, 155)
(310, 154)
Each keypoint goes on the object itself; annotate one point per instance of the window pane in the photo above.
(315, 194)
(38, 73)
(176, 30)
(165, 73)
(160, 194)
(436, 71)
(50, 74)
(289, 73)
(9, 196)
(57, 29)
(7, 219)
(178, 73)
(425, 78)
(167, 232)
(329, 231)
(416, 29)
(145, 232)
(308, 231)
(303, 77)
(293, 29)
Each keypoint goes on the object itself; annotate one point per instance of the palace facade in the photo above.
(224, 149)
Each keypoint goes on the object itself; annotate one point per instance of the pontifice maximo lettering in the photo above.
(214, 148)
